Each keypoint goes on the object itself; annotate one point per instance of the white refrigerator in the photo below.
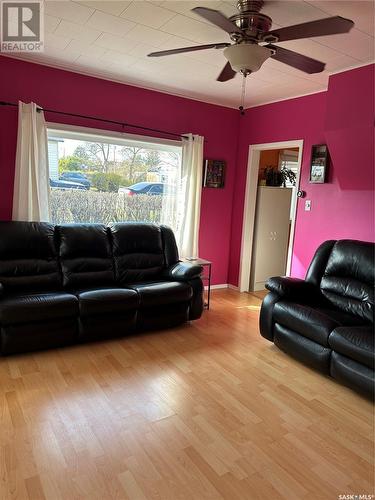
(271, 235)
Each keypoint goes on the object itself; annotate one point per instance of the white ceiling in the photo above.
(111, 39)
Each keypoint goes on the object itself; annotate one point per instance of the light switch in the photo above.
(307, 205)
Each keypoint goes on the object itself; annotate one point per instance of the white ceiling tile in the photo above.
(320, 78)
(194, 30)
(151, 65)
(277, 92)
(175, 42)
(69, 11)
(56, 42)
(145, 34)
(62, 55)
(185, 8)
(182, 66)
(119, 57)
(214, 57)
(114, 42)
(77, 31)
(354, 44)
(51, 23)
(141, 50)
(287, 13)
(341, 62)
(87, 62)
(311, 48)
(85, 49)
(271, 74)
(110, 24)
(361, 12)
(147, 14)
(114, 8)
(285, 68)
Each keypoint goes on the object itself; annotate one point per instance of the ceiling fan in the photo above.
(253, 40)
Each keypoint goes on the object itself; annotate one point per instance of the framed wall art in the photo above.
(214, 173)
(319, 164)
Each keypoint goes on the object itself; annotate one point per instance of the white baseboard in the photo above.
(224, 285)
(216, 287)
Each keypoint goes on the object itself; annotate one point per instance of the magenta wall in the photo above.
(342, 117)
(71, 92)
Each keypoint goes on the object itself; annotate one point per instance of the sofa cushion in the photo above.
(85, 256)
(348, 280)
(305, 320)
(107, 301)
(37, 307)
(163, 293)
(138, 252)
(355, 343)
(28, 258)
(342, 317)
(353, 374)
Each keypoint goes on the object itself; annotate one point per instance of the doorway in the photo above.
(252, 182)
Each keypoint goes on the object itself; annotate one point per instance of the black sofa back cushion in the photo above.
(348, 280)
(85, 256)
(169, 246)
(138, 252)
(28, 257)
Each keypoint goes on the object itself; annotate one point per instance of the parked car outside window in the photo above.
(76, 177)
(150, 188)
(62, 184)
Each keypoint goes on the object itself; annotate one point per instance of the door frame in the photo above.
(250, 206)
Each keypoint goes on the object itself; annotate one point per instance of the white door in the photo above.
(271, 235)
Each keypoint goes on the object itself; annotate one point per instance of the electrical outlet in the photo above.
(307, 205)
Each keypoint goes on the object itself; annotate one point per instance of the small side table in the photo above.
(206, 276)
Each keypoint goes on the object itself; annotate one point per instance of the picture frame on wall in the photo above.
(319, 164)
(214, 174)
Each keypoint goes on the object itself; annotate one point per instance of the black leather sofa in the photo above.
(72, 283)
(327, 320)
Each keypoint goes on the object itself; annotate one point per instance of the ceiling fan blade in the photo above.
(189, 49)
(299, 61)
(227, 74)
(217, 18)
(321, 27)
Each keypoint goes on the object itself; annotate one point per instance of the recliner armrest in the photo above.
(292, 288)
(183, 271)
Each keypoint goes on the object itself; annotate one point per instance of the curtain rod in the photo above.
(123, 124)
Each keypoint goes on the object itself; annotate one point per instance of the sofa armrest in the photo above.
(183, 271)
(2, 293)
(292, 288)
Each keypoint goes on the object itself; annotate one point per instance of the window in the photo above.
(102, 178)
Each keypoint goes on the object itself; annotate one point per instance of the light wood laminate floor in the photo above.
(209, 410)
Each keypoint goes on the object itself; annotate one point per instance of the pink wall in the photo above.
(343, 118)
(71, 92)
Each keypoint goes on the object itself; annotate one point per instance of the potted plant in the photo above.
(276, 178)
(287, 175)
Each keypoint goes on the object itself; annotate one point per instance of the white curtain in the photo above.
(31, 183)
(181, 209)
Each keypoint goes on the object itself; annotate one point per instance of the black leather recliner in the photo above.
(327, 320)
(71, 283)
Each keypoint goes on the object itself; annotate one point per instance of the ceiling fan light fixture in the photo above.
(247, 57)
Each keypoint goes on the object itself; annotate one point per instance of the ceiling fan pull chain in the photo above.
(243, 92)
